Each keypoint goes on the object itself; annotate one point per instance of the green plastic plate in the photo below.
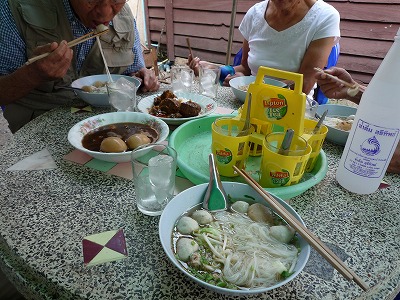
(192, 141)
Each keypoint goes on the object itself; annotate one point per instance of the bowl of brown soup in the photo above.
(112, 136)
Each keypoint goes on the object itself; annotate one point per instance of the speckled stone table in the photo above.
(45, 214)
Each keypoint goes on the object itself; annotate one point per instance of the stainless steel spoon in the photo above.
(247, 126)
(320, 121)
(70, 88)
(215, 198)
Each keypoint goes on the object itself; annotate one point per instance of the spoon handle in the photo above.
(321, 119)
(215, 197)
(287, 141)
(247, 126)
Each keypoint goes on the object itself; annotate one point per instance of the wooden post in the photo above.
(231, 32)
(169, 29)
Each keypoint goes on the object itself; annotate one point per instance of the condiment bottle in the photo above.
(376, 129)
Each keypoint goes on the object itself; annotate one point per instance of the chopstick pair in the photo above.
(313, 240)
(190, 48)
(70, 44)
(354, 86)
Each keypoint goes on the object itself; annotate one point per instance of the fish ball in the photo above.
(113, 144)
(185, 247)
(100, 28)
(282, 233)
(99, 84)
(136, 140)
(202, 217)
(352, 92)
(260, 213)
(240, 206)
(87, 88)
(187, 225)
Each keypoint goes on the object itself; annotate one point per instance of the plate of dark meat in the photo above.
(177, 108)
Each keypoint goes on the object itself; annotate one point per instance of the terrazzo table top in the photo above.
(46, 213)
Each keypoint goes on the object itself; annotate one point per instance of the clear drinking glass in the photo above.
(122, 95)
(181, 79)
(209, 80)
(154, 169)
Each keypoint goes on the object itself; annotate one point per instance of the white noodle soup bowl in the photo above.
(238, 83)
(186, 200)
(336, 135)
(98, 99)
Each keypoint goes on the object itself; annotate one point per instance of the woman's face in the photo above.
(94, 12)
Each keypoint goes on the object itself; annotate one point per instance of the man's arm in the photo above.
(26, 78)
(16, 78)
(149, 79)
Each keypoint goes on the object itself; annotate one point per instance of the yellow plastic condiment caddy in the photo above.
(273, 109)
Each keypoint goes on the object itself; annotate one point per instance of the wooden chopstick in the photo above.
(70, 44)
(313, 240)
(345, 83)
(190, 48)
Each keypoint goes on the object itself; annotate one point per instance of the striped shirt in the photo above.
(13, 48)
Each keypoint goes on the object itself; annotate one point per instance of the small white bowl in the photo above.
(77, 132)
(98, 99)
(241, 81)
(335, 135)
(194, 196)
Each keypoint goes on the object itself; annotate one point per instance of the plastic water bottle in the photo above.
(376, 129)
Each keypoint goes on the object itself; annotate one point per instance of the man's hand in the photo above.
(149, 80)
(21, 82)
(55, 65)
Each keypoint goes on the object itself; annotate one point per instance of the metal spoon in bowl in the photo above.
(215, 198)
(70, 88)
(247, 126)
(320, 121)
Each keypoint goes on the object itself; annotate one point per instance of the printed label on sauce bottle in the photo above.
(369, 149)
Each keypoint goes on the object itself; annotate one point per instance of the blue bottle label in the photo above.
(370, 148)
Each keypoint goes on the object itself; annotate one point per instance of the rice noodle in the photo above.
(251, 257)
(104, 59)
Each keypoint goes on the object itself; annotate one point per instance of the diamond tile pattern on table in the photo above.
(104, 247)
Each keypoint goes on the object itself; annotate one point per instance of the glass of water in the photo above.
(122, 94)
(209, 80)
(154, 169)
(181, 79)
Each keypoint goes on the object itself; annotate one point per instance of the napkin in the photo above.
(104, 247)
(40, 160)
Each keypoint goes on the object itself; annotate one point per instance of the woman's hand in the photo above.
(334, 89)
(194, 64)
(229, 77)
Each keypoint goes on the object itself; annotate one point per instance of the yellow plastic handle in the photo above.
(296, 77)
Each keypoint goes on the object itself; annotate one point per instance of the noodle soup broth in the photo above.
(226, 255)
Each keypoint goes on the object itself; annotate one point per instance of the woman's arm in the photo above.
(316, 55)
